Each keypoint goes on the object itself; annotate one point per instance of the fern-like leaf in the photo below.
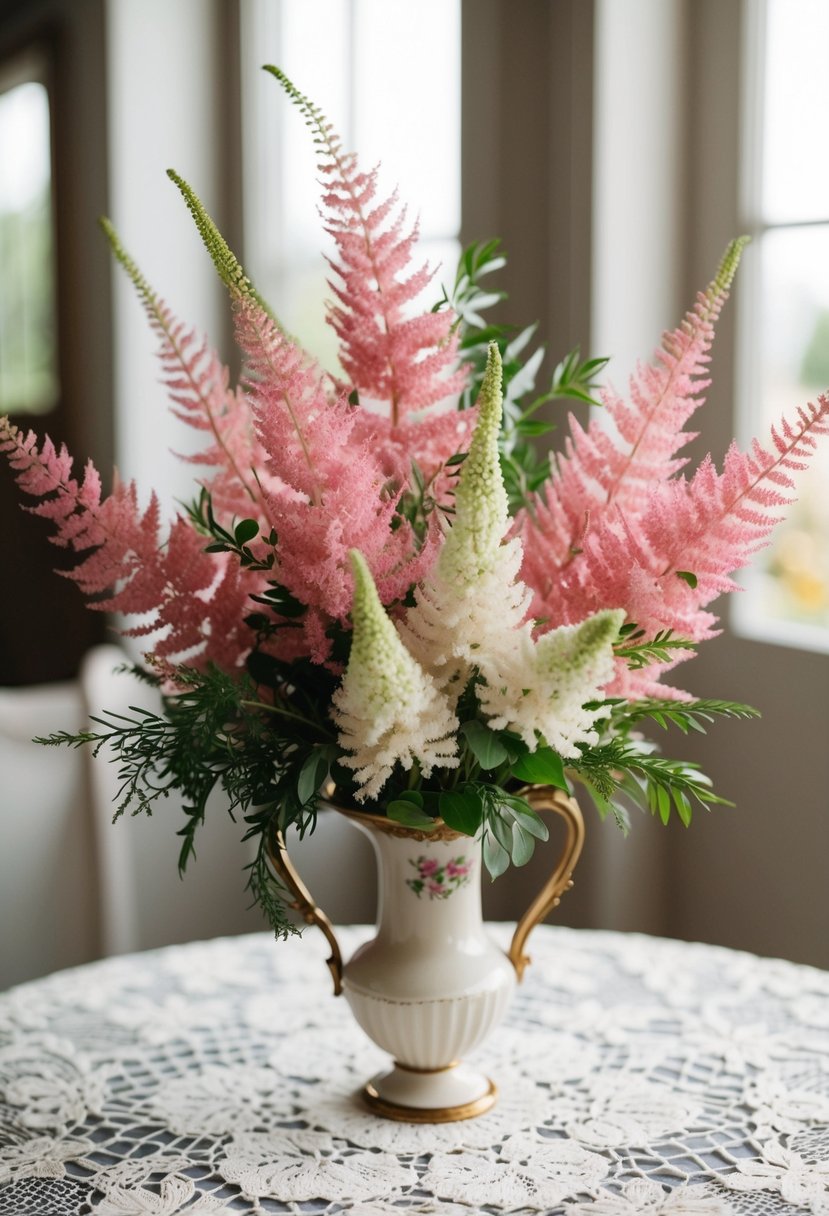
(685, 715)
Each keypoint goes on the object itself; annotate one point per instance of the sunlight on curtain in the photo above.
(785, 338)
(387, 74)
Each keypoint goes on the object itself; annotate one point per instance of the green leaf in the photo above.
(496, 858)
(404, 810)
(542, 767)
(688, 577)
(500, 829)
(523, 845)
(534, 426)
(461, 810)
(312, 774)
(245, 530)
(484, 744)
(683, 806)
(530, 820)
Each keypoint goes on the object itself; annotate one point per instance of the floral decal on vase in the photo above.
(437, 880)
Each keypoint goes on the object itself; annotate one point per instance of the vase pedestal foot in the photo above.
(442, 1095)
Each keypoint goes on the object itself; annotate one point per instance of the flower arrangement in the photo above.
(382, 583)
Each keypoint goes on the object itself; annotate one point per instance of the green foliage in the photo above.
(523, 467)
(541, 767)
(261, 736)
(417, 502)
(686, 715)
(639, 651)
(238, 541)
(624, 768)
(651, 782)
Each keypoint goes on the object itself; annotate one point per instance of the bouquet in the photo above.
(381, 583)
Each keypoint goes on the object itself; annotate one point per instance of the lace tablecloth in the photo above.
(636, 1075)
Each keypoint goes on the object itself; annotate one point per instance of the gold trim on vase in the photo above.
(303, 903)
(435, 1114)
(382, 823)
(545, 798)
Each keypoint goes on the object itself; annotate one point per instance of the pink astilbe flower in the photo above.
(678, 556)
(324, 491)
(406, 362)
(603, 473)
(120, 541)
(194, 601)
(328, 492)
(428, 441)
(205, 599)
(199, 388)
(616, 525)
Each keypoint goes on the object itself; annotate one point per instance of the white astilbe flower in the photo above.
(388, 709)
(546, 688)
(457, 627)
(471, 612)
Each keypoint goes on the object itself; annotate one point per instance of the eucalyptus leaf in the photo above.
(523, 845)
(529, 819)
(496, 858)
(501, 829)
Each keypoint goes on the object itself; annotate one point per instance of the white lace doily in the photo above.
(637, 1076)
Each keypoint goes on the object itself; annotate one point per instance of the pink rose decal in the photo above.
(439, 881)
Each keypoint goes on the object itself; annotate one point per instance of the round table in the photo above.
(636, 1076)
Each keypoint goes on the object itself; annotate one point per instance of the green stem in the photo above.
(287, 713)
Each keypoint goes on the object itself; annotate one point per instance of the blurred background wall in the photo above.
(615, 146)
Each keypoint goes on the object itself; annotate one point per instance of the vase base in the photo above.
(445, 1095)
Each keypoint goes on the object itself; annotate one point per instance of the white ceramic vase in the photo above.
(431, 984)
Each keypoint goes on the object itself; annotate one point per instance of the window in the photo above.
(28, 356)
(785, 334)
(352, 76)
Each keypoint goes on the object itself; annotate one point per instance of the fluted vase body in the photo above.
(431, 985)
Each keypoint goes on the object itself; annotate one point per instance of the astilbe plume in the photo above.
(600, 469)
(325, 491)
(706, 527)
(470, 617)
(192, 599)
(387, 710)
(328, 493)
(198, 384)
(468, 610)
(550, 684)
(617, 526)
(406, 363)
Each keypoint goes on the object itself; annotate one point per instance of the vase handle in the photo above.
(545, 798)
(303, 903)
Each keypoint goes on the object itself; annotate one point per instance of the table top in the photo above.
(637, 1075)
